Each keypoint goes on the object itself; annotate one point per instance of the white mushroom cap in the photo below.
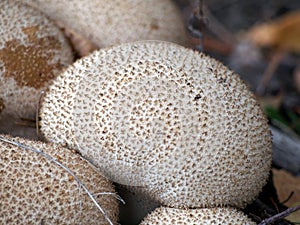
(157, 115)
(109, 23)
(208, 216)
(36, 190)
(32, 52)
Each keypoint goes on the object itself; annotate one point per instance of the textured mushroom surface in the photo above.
(212, 216)
(169, 120)
(32, 52)
(109, 23)
(35, 190)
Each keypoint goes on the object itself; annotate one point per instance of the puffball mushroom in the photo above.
(207, 216)
(108, 23)
(166, 119)
(36, 187)
(32, 52)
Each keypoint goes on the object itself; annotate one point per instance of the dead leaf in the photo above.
(282, 33)
(285, 183)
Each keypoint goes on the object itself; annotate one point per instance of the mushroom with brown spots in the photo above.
(107, 23)
(32, 52)
(44, 183)
(175, 123)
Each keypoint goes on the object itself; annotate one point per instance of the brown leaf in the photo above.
(283, 33)
(285, 183)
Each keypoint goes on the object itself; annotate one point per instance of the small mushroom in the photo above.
(207, 216)
(44, 183)
(107, 23)
(32, 52)
(175, 123)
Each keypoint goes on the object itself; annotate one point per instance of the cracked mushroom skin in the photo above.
(207, 216)
(35, 190)
(165, 119)
(32, 52)
(108, 23)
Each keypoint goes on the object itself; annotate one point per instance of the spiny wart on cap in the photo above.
(37, 185)
(108, 23)
(176, 123)
(32, 52)
(209, 216)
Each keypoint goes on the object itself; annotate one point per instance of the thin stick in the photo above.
(269, 72)
(197, 22)
(288, 198)
(110, 193)
(51, 159)
(201, 18)
(279, 215)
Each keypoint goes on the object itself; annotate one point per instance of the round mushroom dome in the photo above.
(32, 52)
(44, 183)
(207, 216)
(108, 23)
(175, 123)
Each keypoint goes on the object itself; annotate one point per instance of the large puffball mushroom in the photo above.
(32, 52)
(108, 23)
(45, 183)
(166, 119)
(207, 216)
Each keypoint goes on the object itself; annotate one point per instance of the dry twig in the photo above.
(279, 215)
(197, 22)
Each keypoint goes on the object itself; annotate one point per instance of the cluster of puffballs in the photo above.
(172, 126)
